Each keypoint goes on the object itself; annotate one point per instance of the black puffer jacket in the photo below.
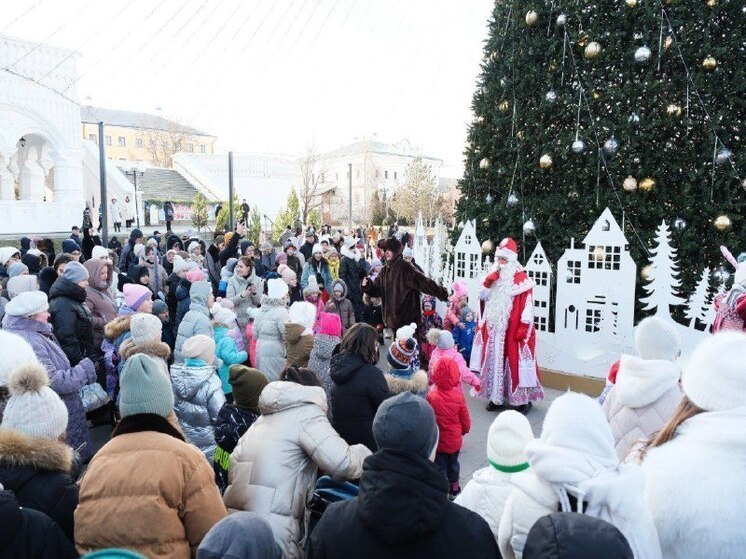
(230, 426)
(568, 535)
(72, 322)
(31, 534)
(402, 510)
(358, 389)
(38, 471)
(350, 273)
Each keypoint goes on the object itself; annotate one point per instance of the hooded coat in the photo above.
(71, 320)
(198, 397)
(402, 511)
(269, 333)
(642, 401)
(274, 466)
(241, 305)
(227, 351)
(359, 388)
(299, 345)
(63, 379)
(98, 299)
(351, 273)
(149, 491)
(399, 286)
(38, 470)
(230, 426)
(406, 380)
(449, 405)
(342, 307)
(465, 374)
(197, 320)
(241, 535)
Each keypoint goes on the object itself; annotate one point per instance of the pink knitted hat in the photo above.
(135, 294)
(195, 275)
(460, 289)
(330, 324)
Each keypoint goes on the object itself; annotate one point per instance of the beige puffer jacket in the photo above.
(641, 402)
(273, 467)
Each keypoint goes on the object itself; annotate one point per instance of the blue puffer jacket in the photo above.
(197, 320)
(323, 269)
(227, 351)
(198, 397)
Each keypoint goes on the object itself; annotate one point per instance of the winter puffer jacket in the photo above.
(99, 301)
(299, 347)
(198, 397)
(63, 379)
(320, 360)
(227, 351)
(342, 307)
(350, 273)
(465, 374)
(269, 333)
(71, 320)
(275, 464)
(358, 390)
(404, 380)
(196, 321)
(25, 532)
(183, 301)
(230, 426)
(236, 286)
(402, 512)
(642, 401)
(449, 405)
(38, 470)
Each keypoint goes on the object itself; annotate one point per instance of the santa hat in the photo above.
(507, 249)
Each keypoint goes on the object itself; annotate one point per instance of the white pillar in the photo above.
(31, 176)
(7, 180)
(68, 177)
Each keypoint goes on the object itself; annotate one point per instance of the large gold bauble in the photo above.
(545, 161)
(722, 223)
(503, 106)
(479, 119)
(712, 3)
(630, 184)
(488, 246)
(484, 163)
(531, 18)
(519, 134)
(667, 42)
(674, 110)
(647, 184)
(647, 272)
(596, 94)
(709, 63)
(631, 3)
(592, 50)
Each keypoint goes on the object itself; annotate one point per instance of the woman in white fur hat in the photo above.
(695, 468)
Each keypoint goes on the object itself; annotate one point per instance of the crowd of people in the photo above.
(233, 376)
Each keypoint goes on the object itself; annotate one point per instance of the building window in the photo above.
(540, 323)
(190, 148)
(93, 138)
(122, 142)
(573, 271)
(541, 278)
(611, 260)
(385, 174)
(202, 148)
(474, 267)
(592, 320)
(460, 265)
(108, 140)
(138, 142)
(177, 146)
(396, 175)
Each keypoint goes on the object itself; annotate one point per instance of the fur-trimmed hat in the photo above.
(34, 408)
(302, 313)
(393, 244)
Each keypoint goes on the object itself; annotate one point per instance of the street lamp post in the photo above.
(137, 169)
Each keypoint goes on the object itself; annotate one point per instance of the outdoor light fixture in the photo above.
(23, 142)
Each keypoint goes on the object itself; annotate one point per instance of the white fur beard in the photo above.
(500, 303)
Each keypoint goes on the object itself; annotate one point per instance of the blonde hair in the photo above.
(685, 410)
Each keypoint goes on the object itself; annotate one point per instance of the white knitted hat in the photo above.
(21, 284)
(27, 303)
(302, 313)
(14, 352)
(145, 328)
(657, 338)
(277, 288)
(506, 442)
(193, 245)
(139, 251)
(179, 264)
(33, 407)
(406, 332)
(99, 252)
(316, 248)
(714, 377)
(199, 347)
(223, 315)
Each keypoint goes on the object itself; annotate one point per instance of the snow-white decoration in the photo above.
(697, 305)
(539, 269)
(663, 275)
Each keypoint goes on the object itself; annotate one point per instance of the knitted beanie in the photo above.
(195, 275)
(506, 442)
(406, 332)
(657, 338)
(6, 253)
(135, 295)
(247, 384)
(21, 284)
(459, 288)
(330, 324)
(406, 422)
(442, 339)
(286, 273)
(194, 245)
(145, 329)
(312, 287)
(281, 258)
(223, 315)
(69, 246)
(401, 353)
(179, 264)
(159, 307)
(34, 408)
(144, 388)
(276, 288)
(464, 311)
(16, 269)
(199, 347)
(14, 352)
(75, 272)
(99, 252)
(714, 377)
(27, 303)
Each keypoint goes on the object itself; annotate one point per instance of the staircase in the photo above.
(165, 184)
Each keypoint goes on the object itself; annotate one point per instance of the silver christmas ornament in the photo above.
(551, 96)
(512, 199)
(634, 119)
(529, 227)
(561, 20)
(484, 163)
(723, 156)
(679, 224)
(722, 275)
(578, 147)
(611, 146)
(642, 55)
(488, 198)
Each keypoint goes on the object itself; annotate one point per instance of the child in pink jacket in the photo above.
(456, 301)
(446, 347)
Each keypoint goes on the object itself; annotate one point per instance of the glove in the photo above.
(490, 279)
(478, 388)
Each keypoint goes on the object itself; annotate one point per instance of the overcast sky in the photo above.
(276, 75)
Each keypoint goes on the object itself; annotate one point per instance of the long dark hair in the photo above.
(361, 339)
(300, 375)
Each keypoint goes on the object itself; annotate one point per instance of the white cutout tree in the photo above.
(663, 278)
(697, 305)
(710, 312)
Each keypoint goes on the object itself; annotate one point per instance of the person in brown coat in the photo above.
(339, 304)
(399, 285)
(147, 490)
(299, 334)
(98, 297)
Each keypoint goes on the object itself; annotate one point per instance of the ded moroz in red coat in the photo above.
(449, 405)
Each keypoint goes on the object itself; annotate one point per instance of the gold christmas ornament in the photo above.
(647, 184)
(674, 110)
(630, 184)
(709, 63)
(647, 272)
(479, 119)
(595, 94)
(631, 3)
(488, 246)
(531, 18)
(484, 163)
(667, 42)
(545, 161)
(712, 3)
(503, 106)
(519, 134)
(722, 223)
(592, 50)
(582, 38)
(599, 253)
(743, 184)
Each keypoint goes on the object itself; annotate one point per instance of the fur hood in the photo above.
(350, 253)
(155, 349)
(40, 453)
(415, 383)
(117, 327)
(641, 382)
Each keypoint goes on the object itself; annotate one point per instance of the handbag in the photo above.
(94, 397)
(526, 368)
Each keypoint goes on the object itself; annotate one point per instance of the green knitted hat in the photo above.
(144, 388)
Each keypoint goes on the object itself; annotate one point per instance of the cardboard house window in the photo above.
(573, 271)
(592, 320)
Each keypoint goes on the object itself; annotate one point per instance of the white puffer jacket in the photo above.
(273, 467)
(269, 333)
(486, 494)
(642, 401)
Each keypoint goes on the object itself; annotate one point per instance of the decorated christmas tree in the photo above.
(637, 105)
